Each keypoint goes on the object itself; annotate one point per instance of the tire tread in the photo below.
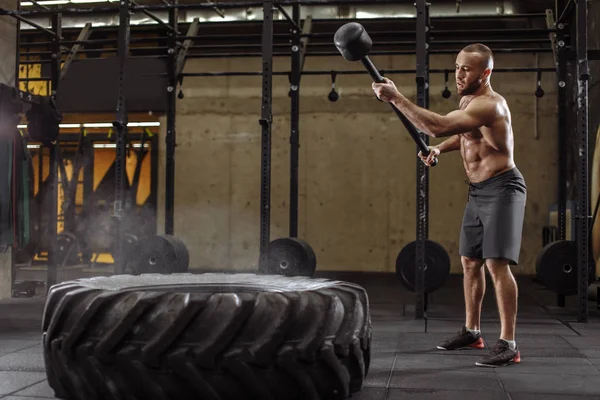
(118, 338)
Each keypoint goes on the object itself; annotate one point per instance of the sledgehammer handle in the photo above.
(414, 133)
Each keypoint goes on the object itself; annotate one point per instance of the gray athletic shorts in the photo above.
(492, 224)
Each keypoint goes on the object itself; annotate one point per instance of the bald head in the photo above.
(483, 53)
(474, 66)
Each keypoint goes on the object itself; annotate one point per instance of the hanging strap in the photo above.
(5, 192)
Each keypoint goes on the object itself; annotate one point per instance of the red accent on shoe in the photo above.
(478, 344)
(517, 358)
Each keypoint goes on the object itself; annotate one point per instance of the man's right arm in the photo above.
(450, 144)
(453, 142)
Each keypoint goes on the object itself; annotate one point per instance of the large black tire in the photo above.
(206, 336)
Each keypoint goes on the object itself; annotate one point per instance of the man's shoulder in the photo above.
(488, 98)
(487, 108)
(492, 102)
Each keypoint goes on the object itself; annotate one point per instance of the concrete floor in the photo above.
(560, 357)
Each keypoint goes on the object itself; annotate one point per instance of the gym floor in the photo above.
(560, 357)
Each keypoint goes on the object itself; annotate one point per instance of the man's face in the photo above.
(469, 73)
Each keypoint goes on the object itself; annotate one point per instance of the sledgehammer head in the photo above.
(353, 41)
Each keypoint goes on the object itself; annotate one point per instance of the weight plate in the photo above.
(288, 257)
(556, 267)
(131, 249)
(163, 254)
(66, 249)
(437, 266)
(181, 252)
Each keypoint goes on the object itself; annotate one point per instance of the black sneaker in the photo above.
(463, 339)
(500, 356)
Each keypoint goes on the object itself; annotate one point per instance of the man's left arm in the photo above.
(477, 114)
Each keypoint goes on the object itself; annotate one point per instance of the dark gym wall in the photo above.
(91, 85)
(357, 164)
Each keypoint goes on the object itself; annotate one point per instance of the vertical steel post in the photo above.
(295, 121)
(120, 125)
(266, 121)
(88, 187)
(51, 273)
(153, 199)
(583, 212)
(561, 75)
(170, 138)
(422, 76)
(561, 56)
(18, 48)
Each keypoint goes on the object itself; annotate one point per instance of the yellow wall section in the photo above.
(103, 158)
(35, 87)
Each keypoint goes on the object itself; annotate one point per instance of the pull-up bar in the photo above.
(355, 72)
(373, 53)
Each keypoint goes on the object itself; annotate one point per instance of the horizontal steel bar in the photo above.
(46, 61)
(471, 33)
(516, 31)
(35, 53)
(506, 40)
(103, 50)
(378, 44)
(92, 41)
(328, 72)
(137, 57)
(38, 79)
(356, 72)
(373, 53)
(520, 32)
(543, 39)
(287, 53)
(97, 137)
(491, 16)
(33, 62)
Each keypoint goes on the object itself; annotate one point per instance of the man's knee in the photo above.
(497, 266)
(471, 265)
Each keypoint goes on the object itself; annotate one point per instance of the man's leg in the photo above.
(506, 296)
(505, 351)
(474, 288)
(470, 246)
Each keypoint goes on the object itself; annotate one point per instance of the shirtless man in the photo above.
(493, 218)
